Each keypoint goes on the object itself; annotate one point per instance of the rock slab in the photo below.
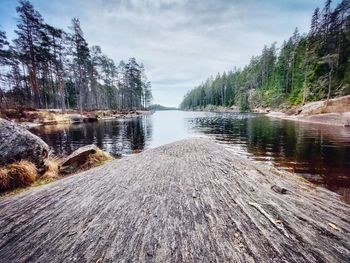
(189, 201)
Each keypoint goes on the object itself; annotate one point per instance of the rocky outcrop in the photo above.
(336, 105)
(17, 143)
(332, 119)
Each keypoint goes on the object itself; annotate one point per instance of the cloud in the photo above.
(181, 43)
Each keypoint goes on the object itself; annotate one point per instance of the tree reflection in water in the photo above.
(118, 137)
(319, 153)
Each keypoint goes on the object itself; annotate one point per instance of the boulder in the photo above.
(73, 161)
(17, 143)
(76, 118)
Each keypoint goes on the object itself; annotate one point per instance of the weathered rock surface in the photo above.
(77, 158)
(333, 119)
(17, 143)
(189, 201)
(336, 105)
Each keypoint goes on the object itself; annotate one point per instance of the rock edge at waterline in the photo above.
(189, 201)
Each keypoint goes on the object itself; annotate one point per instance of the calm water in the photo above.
(319, 153)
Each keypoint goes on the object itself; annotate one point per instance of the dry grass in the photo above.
(96, 159)
(49, 117)
(39, 116)
(17, 175)
(52, 171)
(55, 128)
(52, 116)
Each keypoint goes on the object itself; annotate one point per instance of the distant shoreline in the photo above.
(335, 112)
(40, 117)
(333, 119)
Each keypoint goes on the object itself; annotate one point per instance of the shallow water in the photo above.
(319, 153)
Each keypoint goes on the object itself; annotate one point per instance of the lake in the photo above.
(319, 153)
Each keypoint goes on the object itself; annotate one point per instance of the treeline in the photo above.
(306, 68)
(46, 67)
(158, 107)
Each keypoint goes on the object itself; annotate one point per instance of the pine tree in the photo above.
(81, 57)
(315, 22)
(27, 43)
(4, 51)
(307, 68)
(48, 67)
(4, 61)
(326, 18)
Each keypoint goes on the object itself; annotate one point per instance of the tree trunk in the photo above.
(62, 94)
(329, 86)
(80, 91)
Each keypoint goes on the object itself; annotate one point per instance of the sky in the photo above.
(181, 43)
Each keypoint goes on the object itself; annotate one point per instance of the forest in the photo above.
(307, 67)
(158, 107)
(46, 67)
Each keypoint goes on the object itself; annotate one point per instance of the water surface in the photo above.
(319, 153)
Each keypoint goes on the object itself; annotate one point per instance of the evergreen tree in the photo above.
(27, 43)
(46, 67)
(81, 57)
(306, 68)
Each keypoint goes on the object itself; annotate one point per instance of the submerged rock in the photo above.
(17, 143)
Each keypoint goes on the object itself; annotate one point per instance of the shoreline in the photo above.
(45, 117)
(336, 119)
(334, 112)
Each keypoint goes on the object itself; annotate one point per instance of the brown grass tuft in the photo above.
(40, 116)
(50, 117)
(96, 159)
(17, 175)
(52, 171)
